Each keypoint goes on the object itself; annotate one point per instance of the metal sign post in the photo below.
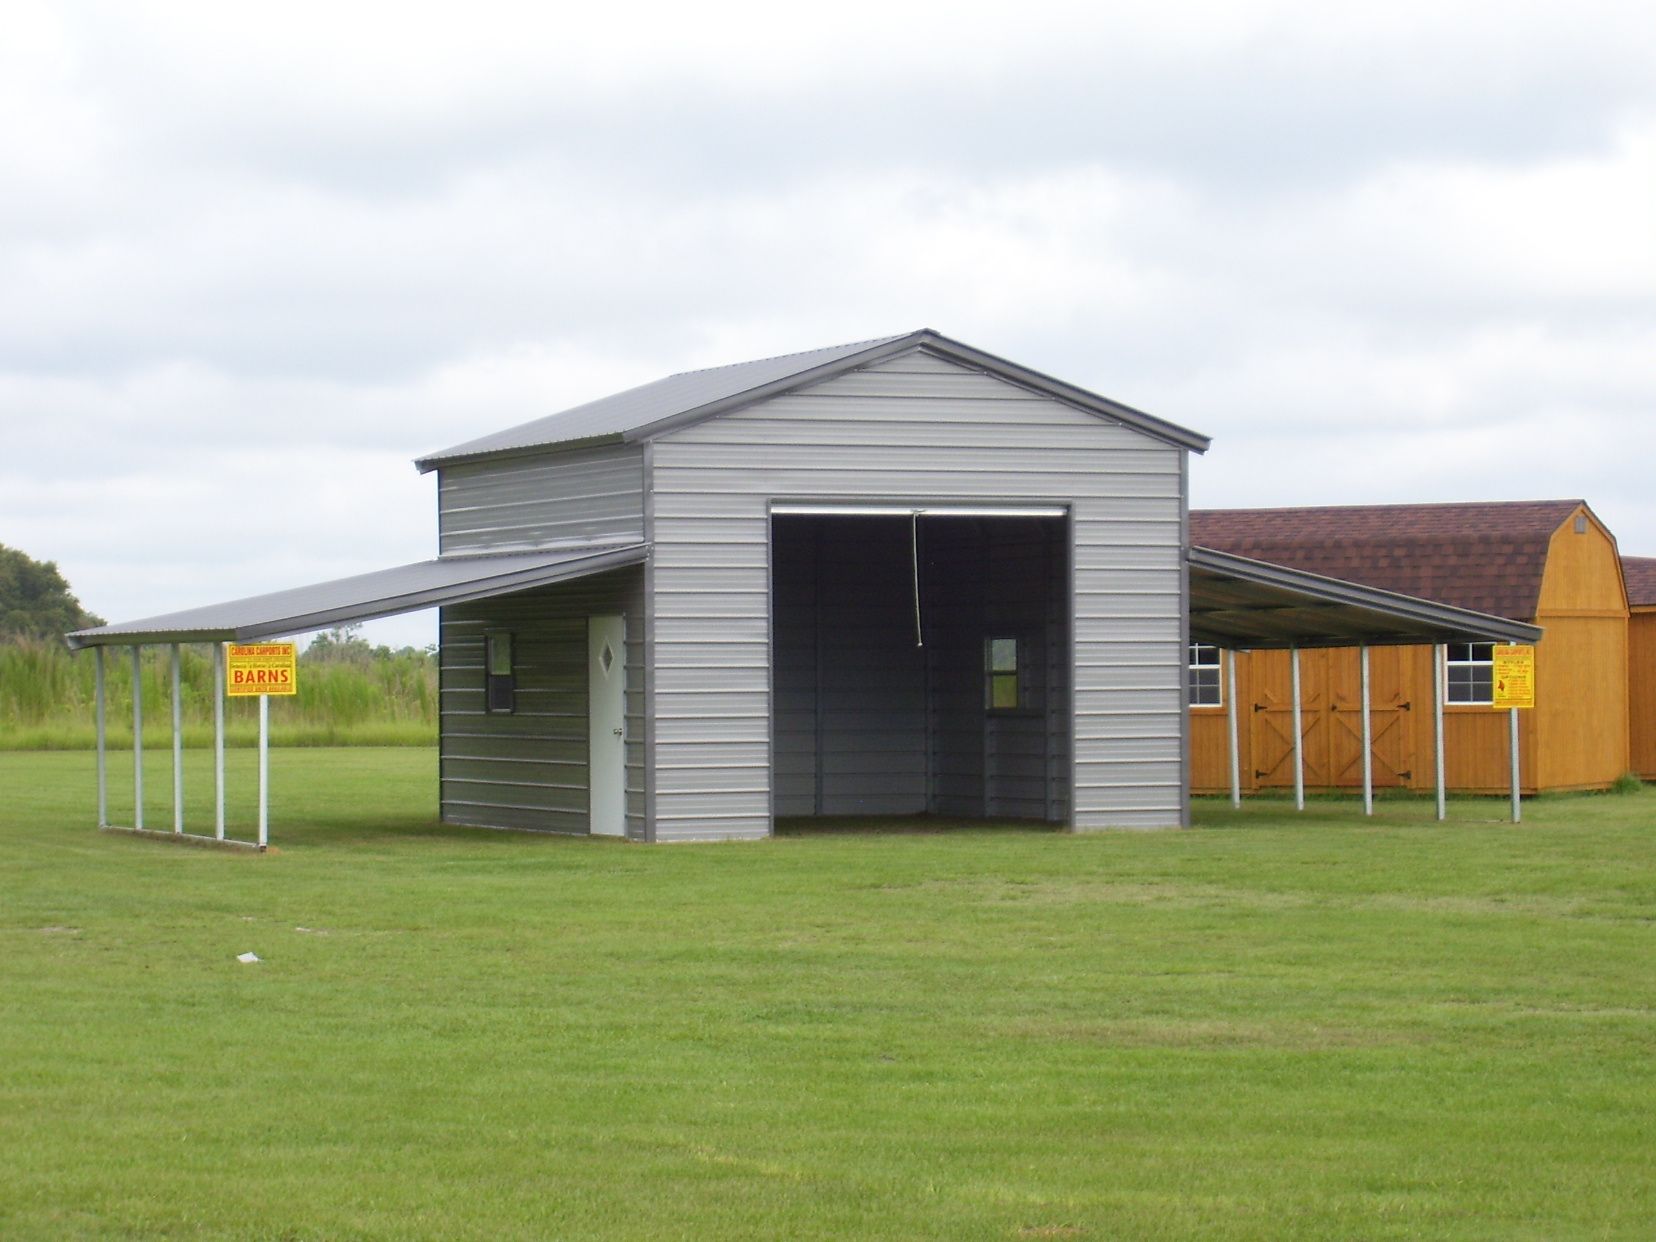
(264, 770)
(218, 741)
(262, 669)
(1513, 689)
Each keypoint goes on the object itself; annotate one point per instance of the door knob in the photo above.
(618, 733)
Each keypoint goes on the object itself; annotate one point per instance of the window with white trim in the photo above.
(1202, 680)
(1470, 675)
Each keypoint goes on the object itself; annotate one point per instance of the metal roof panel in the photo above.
(1239, 602)
(362, 597)
(691, 396)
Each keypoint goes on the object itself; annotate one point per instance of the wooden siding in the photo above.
(1400, 694)
(541, 501)
(1581, 665)
(1577, 736)
(1641, 692)
(528, 769)
(915, 429)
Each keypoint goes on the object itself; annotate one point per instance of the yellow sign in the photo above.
(1514, 677)
(261, 668)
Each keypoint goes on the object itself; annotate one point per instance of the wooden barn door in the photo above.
(1272, 726)
(1390, 717)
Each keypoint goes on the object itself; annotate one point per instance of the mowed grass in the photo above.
(1272, 1026)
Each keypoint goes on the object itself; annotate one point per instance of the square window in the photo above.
(1202, 677)
(1003, 655)
(1469, 674)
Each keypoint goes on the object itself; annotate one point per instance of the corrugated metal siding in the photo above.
(1006, 578)
(533, 502)
(528, 769)
(914, 429)
(851, 730)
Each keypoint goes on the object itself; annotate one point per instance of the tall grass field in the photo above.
(353, 695)
(1272, 1026)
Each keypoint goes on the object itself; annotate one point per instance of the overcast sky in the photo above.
(255, 259)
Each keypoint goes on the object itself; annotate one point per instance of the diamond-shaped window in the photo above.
(606, 657)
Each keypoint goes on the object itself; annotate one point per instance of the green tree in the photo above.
(35, 601)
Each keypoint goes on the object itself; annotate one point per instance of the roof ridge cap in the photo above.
(799, 353)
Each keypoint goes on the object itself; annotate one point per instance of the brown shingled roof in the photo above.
(1639, 572)
(1488, 557)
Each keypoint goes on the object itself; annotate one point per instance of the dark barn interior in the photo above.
(921, 666)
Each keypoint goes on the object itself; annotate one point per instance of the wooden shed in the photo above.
(1552, 563)
(1639, 572)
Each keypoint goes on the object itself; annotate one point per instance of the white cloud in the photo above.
(1367, 249)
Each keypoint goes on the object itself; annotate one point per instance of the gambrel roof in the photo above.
(691, 396)
(1488, 557)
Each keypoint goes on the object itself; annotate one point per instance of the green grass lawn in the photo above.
(1273, 1026)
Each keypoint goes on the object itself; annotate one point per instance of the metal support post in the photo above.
(1299, 736)
(137, 737)
(1368, 739)
(1439, 672)
(264, 770)
(218, 740)
(1229, 658)
(103, 758)
(178, 747)
(1512, 730)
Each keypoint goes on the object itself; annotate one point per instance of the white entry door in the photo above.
(607, 724)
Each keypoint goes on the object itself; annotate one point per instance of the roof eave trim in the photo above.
(1040, 382)
(388, 606)
(441, 461)
(1406, 607)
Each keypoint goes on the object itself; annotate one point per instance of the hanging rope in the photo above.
(914, 553)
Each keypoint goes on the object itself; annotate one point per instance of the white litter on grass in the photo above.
(247, 957)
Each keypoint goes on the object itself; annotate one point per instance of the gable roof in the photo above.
(1639, 572)
(691, 396)
(1487, 557)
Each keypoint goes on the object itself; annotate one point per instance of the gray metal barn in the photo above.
(896, 493)
(895, 577)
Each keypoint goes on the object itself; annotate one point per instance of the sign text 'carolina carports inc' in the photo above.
(261, 668)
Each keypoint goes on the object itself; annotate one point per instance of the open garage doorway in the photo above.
(921, 663)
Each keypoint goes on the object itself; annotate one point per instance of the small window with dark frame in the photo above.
(500, 674)
(1004, 690)
(1202, 682)
(1470, 676)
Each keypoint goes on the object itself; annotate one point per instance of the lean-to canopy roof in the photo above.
(362, 597)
